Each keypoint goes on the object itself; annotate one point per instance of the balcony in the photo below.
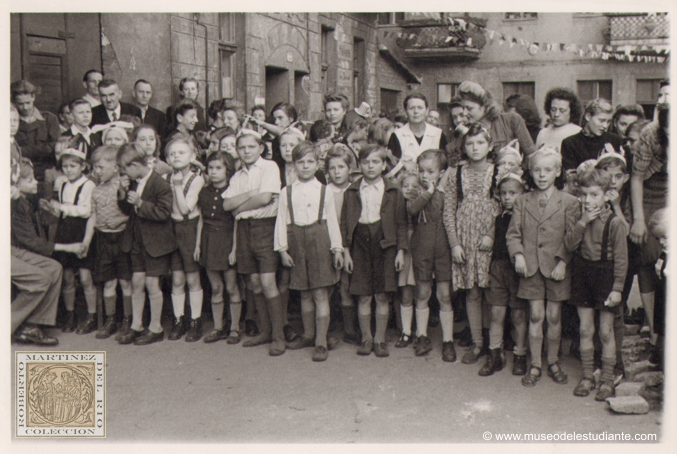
(440, 42)
(639, 29)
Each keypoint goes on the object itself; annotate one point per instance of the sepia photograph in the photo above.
(310, 227)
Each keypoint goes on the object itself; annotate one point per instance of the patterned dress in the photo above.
(468, 220)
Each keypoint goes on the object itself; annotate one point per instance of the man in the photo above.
(433, 118)
(111, 109)
(38, 131)
(143, 93)
(91, 83)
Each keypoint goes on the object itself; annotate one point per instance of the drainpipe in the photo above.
(197, 19)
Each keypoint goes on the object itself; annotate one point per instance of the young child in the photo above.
(374, 232)
(252, 198)
(658, 226)
(105, 228)
(186, 186)
(535, 240)
(149, 141)
(214, 247)
(81, 111)
(289, 139)
(185, 120)
(411, 189)
(228, 143)
(339, 163)
(73, 208)
(508, 157)
(114, 134)
(598, 241)
(504, 281)
(469, 213)
(307, 233)
(430, 253)
(149, 239)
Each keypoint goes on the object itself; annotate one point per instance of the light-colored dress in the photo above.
(467, 219)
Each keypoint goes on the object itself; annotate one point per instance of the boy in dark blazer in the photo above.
(147, 199)
(111, 108)
(374, 232)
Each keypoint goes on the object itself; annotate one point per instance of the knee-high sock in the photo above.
(553, 347)
(250, 298)
(235, 312)
(608, 364)
(217, 311)
(138, 301)
(365, 325)
(447, 322)
(196, 304)
(90, 299)
(178, 303)
(495, 335)
(308, 318)
(619, 331)
(68, 294)
(276, 318)
(407, 314)
(264, 316)
(348, 313)
(155, 312)
(422, 316)
(284, 296)
(474, 309)
(109, 304)
(587, 363)
(127, 305)
(322, 329)
(381, 325)
(536, 345)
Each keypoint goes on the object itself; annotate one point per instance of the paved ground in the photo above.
(177, 391)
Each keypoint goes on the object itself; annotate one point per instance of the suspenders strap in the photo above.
(605, 237)
(291, 208)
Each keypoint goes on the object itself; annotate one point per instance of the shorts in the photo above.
(373, 267)
(255, 253)
(109, 261)
(503, 285)
(592, 282)
(431, 253)
(406, 276)
(186, 238)
(143, 262)
(539, 287)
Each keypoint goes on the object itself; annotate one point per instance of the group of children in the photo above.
(504, 232)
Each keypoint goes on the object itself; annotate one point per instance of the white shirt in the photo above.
(84, 207)
(91, 100)
(85, 135)
(142, 185)
(371, 196)
(143, 111)
(306, 205)
(191, 196)
(551, 137)
(263, 175)
(117, 111)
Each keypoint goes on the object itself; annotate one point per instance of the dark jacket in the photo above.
(100, 115)
(94, 138)
(27, 232)
(37, 141)
(153, 218)
(393, 215)
(156, 119)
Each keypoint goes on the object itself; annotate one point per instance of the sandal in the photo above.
(584, 387)
(234, 338)
(405, 340)
(605, 391)
(530, 379)
(557, 374)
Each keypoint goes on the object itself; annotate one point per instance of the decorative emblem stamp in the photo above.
(60, 395)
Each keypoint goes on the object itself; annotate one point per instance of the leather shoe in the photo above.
(303, 342)
(129, 337)
(89, 326)
(178, 329)
(126, 326)
(277, 348)
(108, 329)
(365, 348)
(215, 335)
(448, 352)
(381, 349)
(149, 337)
(320, 354)
(69, 323)
(34, 335)
(290, 334)
(250, 328)
(519, 365)
(423, 345)
(194, 330)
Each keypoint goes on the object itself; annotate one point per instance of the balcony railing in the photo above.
(637, 28)
(442, 41)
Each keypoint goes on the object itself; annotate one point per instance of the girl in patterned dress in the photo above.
(469, 213)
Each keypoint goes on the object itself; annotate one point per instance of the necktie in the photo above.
(115, 116)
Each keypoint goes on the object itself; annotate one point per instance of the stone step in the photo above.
(632, 405)
(630, 388)
(650, 379)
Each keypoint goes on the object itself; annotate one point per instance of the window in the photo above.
(226, 70)
(328, 46)
(226, 28)
(518, 16)
(592, 89)
(523, 88)
(647, 94)
(390, 18)
(358, 70)
(445, 92)
(389, 102)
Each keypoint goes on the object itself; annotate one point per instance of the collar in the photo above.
(335, 188)
(75, 131)
(89, 97)
(144, 179)
(143, 109)
(504, 212)
(117, 110)
(379, 185)
(311, 182)
(36, 115)
(547, 194)
(257, 163)
(79, 181)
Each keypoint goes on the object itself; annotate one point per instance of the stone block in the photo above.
(631, 330)
(629, 341)
(650, 379)
(633, 369)
(630, 389)
(631, 405)
(645, 331)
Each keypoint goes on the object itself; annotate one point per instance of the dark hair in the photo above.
(594, 177)
(85, 78)
(185, 80)
(378, 130)
(288, 109)
(130, 153)
(663, 123)
(372, 148)
(626, 109)
(105, 83)
(223, 132)
(575, 107)
(340, 151)
(63, 106)
(183, 107)
(438, 156)
(664, 83)
(214, 108)
(225, 158)
(302, 149)
(455, 102)
(258, 107)
(476, 129)
(135, 133)
(76, 102)
(337, 97)
(525, 106)
(22, 87)
(142, 81)
(400, 118)
(410, 96)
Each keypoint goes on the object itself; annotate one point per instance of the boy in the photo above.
(106, 226)
(186, 186)
(252, 197)
(599, 240)
(374, 232)
(147, 198)
(503, 284)
(535, 241)
(81, 112)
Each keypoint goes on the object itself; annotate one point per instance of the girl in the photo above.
(469, 213)
(289, 139)
(306, 235)
(114, 134)
(411, 189)
(509, 157)
(149, 141)
(73, 208)
(227, 144)
(215, 244)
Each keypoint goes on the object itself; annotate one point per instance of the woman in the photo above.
(525, 107)
(285, 116)
(503, 127)
(564, 109)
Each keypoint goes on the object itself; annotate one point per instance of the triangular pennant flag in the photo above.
(631, 57)
(605, 56)
(599, 47)
(590, 47)
(661, 59)
(462, 23)
(468, 42)
(548, 47)
(448, 38)
(609, 48)
(399, 34)
(412, 35)
(643, 48)
(581, 53)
